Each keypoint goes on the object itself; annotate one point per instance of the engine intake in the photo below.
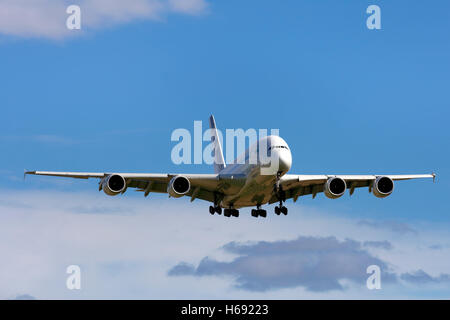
(178, 186)
(382, 187)
(334, 188)
(114, 184)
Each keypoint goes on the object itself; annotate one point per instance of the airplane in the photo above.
(242, 184)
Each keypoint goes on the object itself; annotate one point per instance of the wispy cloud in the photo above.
(47, 18)
(39, 138)
(49, 138)
(439, 246)
(421, 277)
(83, 209)
(193, 7)
(24, 297)
(378, 244)
(394, 226)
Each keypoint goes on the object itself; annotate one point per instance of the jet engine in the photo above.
(178, 186)
(334, 187)
(114, 184)
(382, 187)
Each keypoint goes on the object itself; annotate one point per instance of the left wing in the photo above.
(203, 186)
(295, 186)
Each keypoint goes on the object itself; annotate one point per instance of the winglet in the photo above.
(25, 172)
(434, 176)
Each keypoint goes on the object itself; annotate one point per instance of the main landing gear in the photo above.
(226, 212)
(231, 212)
(215, 209)
(281, 195)
(281, 209)
(258, 212)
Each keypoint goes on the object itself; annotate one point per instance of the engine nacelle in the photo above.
(114, 184)
(178, 186)
(382, 187)
(334, 188)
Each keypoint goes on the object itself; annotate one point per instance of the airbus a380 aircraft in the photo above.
(243, 183)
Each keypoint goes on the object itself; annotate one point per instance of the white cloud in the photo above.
(47, 18)
(127, 252)
(188, 6)
(39, 18)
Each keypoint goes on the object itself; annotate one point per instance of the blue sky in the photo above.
(345, 98)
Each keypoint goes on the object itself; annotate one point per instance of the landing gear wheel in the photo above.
(284, 210)
(259, 212)
(212, 210)
(218, 210)
(227, 212)
(235, 213)
(277, 211)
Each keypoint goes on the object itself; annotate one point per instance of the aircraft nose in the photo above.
(285, 161)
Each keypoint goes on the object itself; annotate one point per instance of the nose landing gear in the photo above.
(281, 196)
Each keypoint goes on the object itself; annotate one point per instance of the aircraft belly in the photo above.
(257, 190)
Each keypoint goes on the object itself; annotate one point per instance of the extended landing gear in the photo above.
(231, 212)
(281, 209)
(215, 209)
(281, 195)
(226, 212)
(258, 212)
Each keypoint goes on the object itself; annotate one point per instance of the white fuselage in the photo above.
(254, 173)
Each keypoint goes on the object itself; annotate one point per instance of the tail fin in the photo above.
(219, 162)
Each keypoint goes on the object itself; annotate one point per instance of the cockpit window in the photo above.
(278, 147)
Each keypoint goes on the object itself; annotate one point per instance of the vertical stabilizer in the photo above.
(219, 162)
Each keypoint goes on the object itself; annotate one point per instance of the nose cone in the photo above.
(280, 150)
(285, 160)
